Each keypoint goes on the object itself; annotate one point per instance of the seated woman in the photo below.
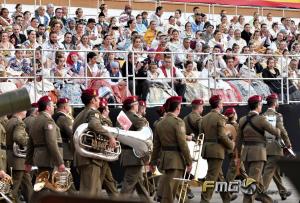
(275, 85)
(215, 84)
(5, 20)
(159, 89)
(118, 85)
(194, 89)
(63, 83)
(75, 66)
(242, 89)
(248, 70)
(6, 45)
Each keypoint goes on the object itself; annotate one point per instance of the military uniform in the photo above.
(89, 169)
(29, 121)
(108, 181)
(274, 151)
(216, 142)
(193, 123)
(251, 135)
(16, 134)
(133, 166)
(44, 148)
(65, 124)
(2, 148)
(171, 149)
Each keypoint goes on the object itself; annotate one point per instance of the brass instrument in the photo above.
(60, 181)
(89, 144)
(19, 151)
(5, 187)
(199, 167)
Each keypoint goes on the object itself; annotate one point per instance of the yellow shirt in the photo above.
(149, 36)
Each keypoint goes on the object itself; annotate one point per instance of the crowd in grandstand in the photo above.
(208, 62)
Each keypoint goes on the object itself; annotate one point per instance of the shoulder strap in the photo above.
(248, 120)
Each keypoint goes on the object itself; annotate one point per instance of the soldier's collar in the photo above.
(47, 114)
(271, 109)
(255, 112)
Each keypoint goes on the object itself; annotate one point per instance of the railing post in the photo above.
(133, 73)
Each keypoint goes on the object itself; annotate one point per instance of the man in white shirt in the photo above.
(52, 43)
(157, 16)
(185, 48)
(174, 74)
(237, 40)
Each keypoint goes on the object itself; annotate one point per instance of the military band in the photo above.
(251, 146)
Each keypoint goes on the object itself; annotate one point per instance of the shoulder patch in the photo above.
(50, 126)
(97, 115)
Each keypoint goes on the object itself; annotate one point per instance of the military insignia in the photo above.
(50, 126)
(97, 115)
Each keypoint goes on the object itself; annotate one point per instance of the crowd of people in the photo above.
(117, 54)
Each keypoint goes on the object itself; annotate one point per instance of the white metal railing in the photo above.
(210, 77)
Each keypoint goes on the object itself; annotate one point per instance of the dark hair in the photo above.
(253, 105)
(86, 99)
(41, 25)
(179, 11)
(57, 9)
(270, 59)
(196, 7)
(42, 105)
(126, 107)
(17, 5)
(173, 106)
(102, 7)
(158, 9)
(67, 33)
(188, 63)
(129, 22)
(215, 104)
(271, 102)
(90, 55)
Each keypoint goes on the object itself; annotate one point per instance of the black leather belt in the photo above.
(253, 143)
(43, 145)
(170, 148)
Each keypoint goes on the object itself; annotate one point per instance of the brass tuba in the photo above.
(6, 188)
(19, 151)
(89, 144)
(60, 181)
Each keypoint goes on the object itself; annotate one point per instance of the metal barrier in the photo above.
(170, 79)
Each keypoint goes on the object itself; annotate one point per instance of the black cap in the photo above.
(101, 14)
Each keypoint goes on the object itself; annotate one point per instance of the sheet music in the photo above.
(124, 121)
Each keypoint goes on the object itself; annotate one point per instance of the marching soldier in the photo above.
(216, 142)
(232, 126)
(44, 149)
(274, 150)
(283, 192)
(108, 181)
(251, 135)
(16, 134)
(193, 120)
(171, 149)
(64, 120)
(90, 169)
(31, 115)
(133, 166)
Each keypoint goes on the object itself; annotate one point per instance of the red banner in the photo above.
(266, 3)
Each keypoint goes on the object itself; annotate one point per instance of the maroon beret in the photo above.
(44, 99)
(142, 103)
(131, 100)
(214, 99)
(62, 101)
(197, 102)
(161, 110)
(171, 100)
(34, 105)
(254, 99)
(90, 92)
(229, 111)
(103, 102)
(272, 96)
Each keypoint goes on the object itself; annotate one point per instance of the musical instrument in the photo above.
(60, 181)
(5, 187)
(288, 151)
(18, 151)
(199, 167)
(88, 144)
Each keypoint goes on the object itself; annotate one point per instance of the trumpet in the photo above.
(60, 181)
(199, 167)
